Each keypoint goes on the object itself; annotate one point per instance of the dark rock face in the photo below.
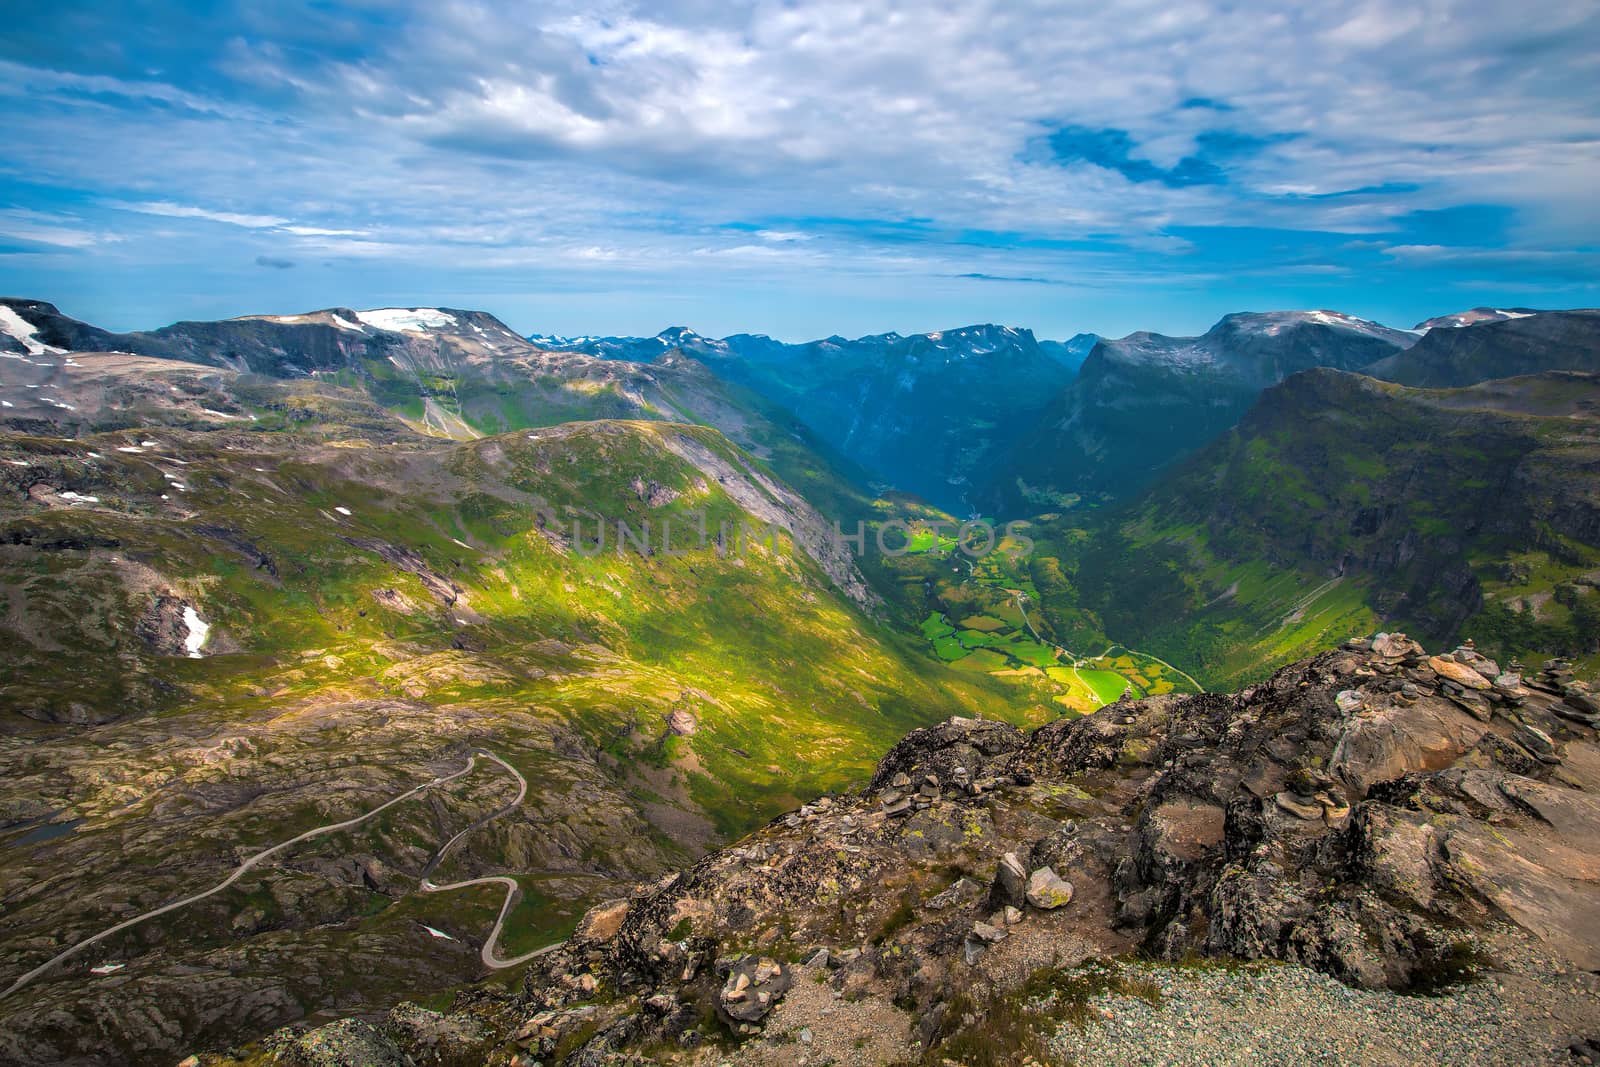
(1349, 815)
(162, 626)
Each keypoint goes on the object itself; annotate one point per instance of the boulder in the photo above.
(752, 989)
(1010, 883)
(1458, 673)
(343, 1044)
(1395, 646)
(1047, 890)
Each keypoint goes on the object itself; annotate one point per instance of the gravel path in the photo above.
(1274, 1014)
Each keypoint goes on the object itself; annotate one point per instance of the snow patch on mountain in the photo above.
(23, 331)
(1473, 316)
(199, 630)
(406, 320)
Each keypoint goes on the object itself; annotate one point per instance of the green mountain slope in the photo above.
(373, 607)
(1341, 504)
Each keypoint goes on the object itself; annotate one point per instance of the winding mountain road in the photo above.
(513, 889)
(490, 960)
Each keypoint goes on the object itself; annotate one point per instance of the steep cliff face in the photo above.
(1394, 819)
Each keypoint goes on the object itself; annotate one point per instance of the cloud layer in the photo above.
(728, 161)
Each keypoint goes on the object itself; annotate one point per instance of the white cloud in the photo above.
(187, 211)
(887, 136)
(60, 231)
(317, 231)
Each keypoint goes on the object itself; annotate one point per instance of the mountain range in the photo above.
(926, 413)
(264, 575)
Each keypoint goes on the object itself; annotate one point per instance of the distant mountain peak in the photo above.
(1474, 316)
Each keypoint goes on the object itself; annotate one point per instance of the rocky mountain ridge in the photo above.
(1487, 347)
(1142, 401)
(1397, 820)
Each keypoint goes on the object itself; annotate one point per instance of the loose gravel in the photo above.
(1270, 1014)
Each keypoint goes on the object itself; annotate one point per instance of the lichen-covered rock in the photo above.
(346, 1043)
(1047, 890)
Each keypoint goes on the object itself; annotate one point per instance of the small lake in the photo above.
(48, 832)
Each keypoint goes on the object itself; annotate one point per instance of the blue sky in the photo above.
(801, 168)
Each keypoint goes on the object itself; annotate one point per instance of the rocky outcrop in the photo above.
(1350, 814)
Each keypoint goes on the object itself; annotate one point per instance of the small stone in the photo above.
(820, 958)
(1011, 916)
(987, 932)
(805, 1035)
(1334, 810)
(901, 781)
(1472, 702)
(587, 982)
(1348, 700)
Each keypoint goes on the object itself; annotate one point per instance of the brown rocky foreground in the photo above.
(1401, 823)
